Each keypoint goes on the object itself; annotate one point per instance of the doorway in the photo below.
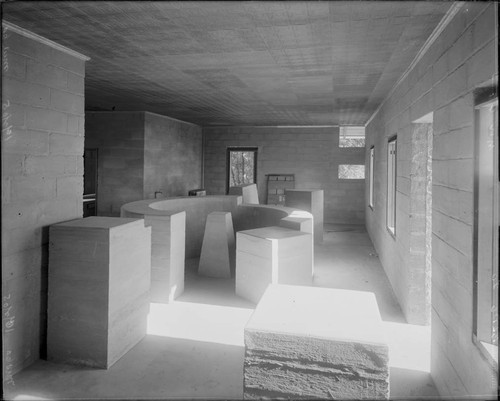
(90, 182)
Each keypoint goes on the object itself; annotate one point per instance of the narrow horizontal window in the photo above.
(352, 171)
(352, 137)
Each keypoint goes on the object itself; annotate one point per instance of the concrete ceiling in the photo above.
(238, 63)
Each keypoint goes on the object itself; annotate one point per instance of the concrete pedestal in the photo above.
(311, 201)
(315, 343)
(217, 257)
(98, 294)
(168, 237)
(271, 255)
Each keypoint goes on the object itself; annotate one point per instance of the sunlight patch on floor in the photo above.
(199, 322)
(26, 397)
(409, 346)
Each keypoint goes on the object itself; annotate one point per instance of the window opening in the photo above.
(241, 166)
(391, 185)
(352, 137)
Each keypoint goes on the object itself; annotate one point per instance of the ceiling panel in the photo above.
(243, 63)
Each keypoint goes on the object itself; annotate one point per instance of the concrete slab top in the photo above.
(99, 222)
(338, 315)
(273, 232)
(303, 190)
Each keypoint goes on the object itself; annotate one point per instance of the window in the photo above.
(486, 229)
(352, 137)
(391, 185)
(241, 166)
(370, 195)
(352, 171)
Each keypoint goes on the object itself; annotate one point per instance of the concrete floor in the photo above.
(194, 347)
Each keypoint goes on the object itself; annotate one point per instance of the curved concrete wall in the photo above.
(178, 226)
(197, 208)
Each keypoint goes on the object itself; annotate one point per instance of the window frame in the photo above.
(230, 149)
(391, 185)
(350, 179)
(343, 134)
(371, 175)
(483, 335)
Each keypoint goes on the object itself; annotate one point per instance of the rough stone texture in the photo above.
(217, 258)
(140, 154)
(291, 353)
(248, 193)
(271, 255)
(462, 58)
(312, 154)
(42, 183)
(310, 201)
(99, 281)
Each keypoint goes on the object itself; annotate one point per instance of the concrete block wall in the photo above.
(42, 181)
(172, 156)
(463, 57)
(312, 154)
(119, 139)
(140, 153)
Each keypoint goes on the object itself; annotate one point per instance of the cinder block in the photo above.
(29, 142)
(47, 75)
(90, 322)
(12, 115)
(50, 165)
(73, 124)
(482, 66)
(29, 93)
(62, 144)
(76, 83)
(67, 101)
(290, 353)
(46, 120)
(67, 62)
(34, 189)
(26, 46)
(14, 65)
(69, 186)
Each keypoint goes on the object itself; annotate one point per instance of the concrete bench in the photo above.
(310, 342)
(272, 255)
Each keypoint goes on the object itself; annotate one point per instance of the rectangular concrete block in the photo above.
(46, 74)
(168, 238)
(25, 92)
(46, 120)
(62, 144)
(271, 255)
(311, 201)
(67, 101)
(315, 343)
(99, 281)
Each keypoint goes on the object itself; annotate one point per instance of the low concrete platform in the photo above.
(310, 343)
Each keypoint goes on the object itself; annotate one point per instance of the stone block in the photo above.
(217, 258)
(311, 201)
(271, 255)
(99, 281)
(315, 343)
